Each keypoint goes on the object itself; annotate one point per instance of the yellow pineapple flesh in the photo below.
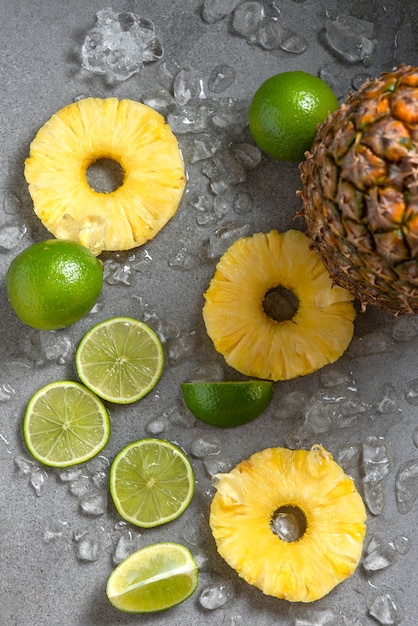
(125, 131)
(250, 340)
(310, 482)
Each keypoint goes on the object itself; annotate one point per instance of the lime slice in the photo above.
(65, 424)
(154, 578)
(151, 482)
(120, 359)
(227, 403)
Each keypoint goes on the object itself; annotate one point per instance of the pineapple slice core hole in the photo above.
(280, 304)
(105, 175)
(288, 523)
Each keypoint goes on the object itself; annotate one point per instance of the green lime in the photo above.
(52, 284)
(151, 482)
(152, 579)
(120, 359)
(231, 403)
(65, 424)
(285, 112)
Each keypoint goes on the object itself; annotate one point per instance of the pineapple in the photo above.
(264, 346)
(259, 504)
(128, 132)
(360, 192)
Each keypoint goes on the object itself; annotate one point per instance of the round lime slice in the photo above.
(120, 359)
(65, 424)
(152, 579)
(151, 482)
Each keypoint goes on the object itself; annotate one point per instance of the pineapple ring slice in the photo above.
(258, 345)
(330, 547)
(125, 131)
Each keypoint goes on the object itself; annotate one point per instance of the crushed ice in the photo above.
(119, 44)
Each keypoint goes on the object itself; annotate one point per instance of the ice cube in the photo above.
(222, 238)
(185, 260)
(351, 38)
(216, 463)
(305, 615)
(87, 546)
(379, 555)
(188, 86)
(405, 327)
(290, 406)
(206, 371)
(385, 608)
(93, 502)
(215, 595)
(126, 545)
(119, 44)
(293, 42)
(374, 497)
(159, 99)
(221, 77)
(37, 480)
(375, 342)
(411, 392)
(11, 234)
(268, 35)
(376, 460)
(406, 486)
(247, 154)
(204, 445)
(214, 10)
(157, 425)
(6, 392)
(247, 17)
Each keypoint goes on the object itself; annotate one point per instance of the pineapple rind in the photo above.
(252, 342)
(360, 190)
(129, 132)
(331, 547)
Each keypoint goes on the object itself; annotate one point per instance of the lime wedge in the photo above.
(151, 482)
(65, 424)
(154, 578)
(120, 359)
(227, 403)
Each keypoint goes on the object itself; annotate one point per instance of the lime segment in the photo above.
(152, 579)
(120, 359)
(65, 424)
(227, 403)
(151, 482)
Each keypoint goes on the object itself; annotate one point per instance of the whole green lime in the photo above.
(54, 283)
(285, 112)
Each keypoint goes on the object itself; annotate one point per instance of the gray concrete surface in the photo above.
(42, 581)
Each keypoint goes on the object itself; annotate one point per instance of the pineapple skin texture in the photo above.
(257, 345)
(128, 132)
(331, 547)
(360, 192)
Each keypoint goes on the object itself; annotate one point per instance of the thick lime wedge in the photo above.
(227, 403)
(152, 579)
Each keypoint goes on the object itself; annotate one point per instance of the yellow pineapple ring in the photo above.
(125, 131)
(254, 343)
(271, 483)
